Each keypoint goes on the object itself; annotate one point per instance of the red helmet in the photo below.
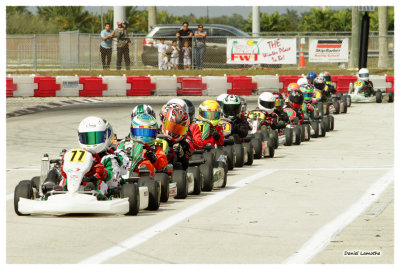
(279, 100)
(176, 123)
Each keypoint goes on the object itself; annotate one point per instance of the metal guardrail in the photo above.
(74, 50)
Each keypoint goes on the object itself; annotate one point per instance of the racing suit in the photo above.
(194, 137)
(155, 159)
(272, 120)
(180, 154)
(299, 113)
(214, 137)
(240, 128)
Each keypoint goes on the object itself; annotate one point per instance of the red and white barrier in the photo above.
(92, 86)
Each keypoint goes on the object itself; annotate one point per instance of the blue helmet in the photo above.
(311, 76)
(144, 127)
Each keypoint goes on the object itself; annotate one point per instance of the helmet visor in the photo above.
(328, 78)
(308, 95)
(210, 115)
(267, 104)
(363, 75)
(232, 109)
(146, 132)
(175, 128)
(92, 137)
(278, 102)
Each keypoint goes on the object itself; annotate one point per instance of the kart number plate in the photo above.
(78, 156)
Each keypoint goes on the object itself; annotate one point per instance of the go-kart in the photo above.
(319, 124)
(360, 92)
(33, 197)
(298, 131)
(264, 140)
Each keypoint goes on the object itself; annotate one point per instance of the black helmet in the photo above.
(191, 108)
(232, 105)
(296, 99)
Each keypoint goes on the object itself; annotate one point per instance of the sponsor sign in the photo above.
(328, 50)
(261, 51)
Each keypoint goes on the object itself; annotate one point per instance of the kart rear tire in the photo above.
(163, 180)
(239, 154)
(302, 129)
(24, 189)
(271, 149)
(391, 97)
(326, 121)
(321, 126)
(197, 179)
(320, 107)
(154, 194)
(331, 122)
(297, 134)
(206, 171)
(131, 191)
(228, 150)
(378, 96)
(337, 107)
(288, 132)
(223, 165)
(315, 127)
(257, 144)
(348, 100)
(274, 136)
(308, 129)
(180, 178)
(327, 105)
(250, 154)
(344, 106)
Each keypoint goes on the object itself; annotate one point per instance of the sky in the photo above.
(213, 11)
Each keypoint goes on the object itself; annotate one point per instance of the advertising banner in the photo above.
(328, 50)
(261, 51)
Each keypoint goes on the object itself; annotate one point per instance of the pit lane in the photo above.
(265, 221)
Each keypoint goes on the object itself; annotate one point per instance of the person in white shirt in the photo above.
(163, 49)
(174, 55)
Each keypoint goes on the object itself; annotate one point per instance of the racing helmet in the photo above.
(232, 105)
(301, 81)
(266, 102)
(319, 82)
(210, 111)
(220, 98)
(363, 74)
(191, 109)
(293, 86)
(176, 123)
(308, 92)
(143, 108)
(166, 107)
(296, 99)
(94, 135)
(279, 100)
(180, 102)
(311, 76)
(327, 77)
(144, 127)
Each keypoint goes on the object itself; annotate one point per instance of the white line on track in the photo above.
(149, 233)
(324, 235)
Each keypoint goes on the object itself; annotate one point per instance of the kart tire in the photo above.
(36, 183)
(274, 136)
(328, 104)
(348, 100)
(271, 149)
(265, 132)
(209, 157)
(331, 122)
(229, 156)
(223, 165)
(288, 132)
(391, 97)
(206, 171)
(321, 126)
(197, 179)
(378, 96)
(180, 178)
(344, 107)
(257, 145)
(308, 128)
(163, 180)
(239, 154)
(320, 107)
(303, 133)
(315, 127)
(339, 95)
(131, 191)
(326, 121)
(337, 107)
(24, 189)
(250, 154)
(154, 194)
(297, 134)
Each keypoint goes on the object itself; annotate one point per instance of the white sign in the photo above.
(261, 51)
(328, 50)
(367, 8)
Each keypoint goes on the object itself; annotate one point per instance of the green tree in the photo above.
(316, 20)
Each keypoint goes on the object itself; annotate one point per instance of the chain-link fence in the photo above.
(74, 50)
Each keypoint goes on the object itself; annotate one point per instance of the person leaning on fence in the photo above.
(106, 45)
(200, 46)
(123, 41)
(163, 49)
(184, 34)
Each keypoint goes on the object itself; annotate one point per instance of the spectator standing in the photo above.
(200, 46)
(163, 49)
(123, 41)
(174, 50)
(184, 34)
(106, 45)
(187, 55)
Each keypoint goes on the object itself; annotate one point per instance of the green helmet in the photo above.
(307, 92)
(231, 105)
(144, 127)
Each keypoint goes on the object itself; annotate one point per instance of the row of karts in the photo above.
(182, 156)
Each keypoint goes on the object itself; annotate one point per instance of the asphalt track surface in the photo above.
(268, 213)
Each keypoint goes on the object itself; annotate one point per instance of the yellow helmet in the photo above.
(210, 111)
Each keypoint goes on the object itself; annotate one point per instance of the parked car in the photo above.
(215, 56)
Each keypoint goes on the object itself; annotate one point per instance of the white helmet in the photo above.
(266, 101)
(179, 101)
(220, 98)
(143, 108)
(302, 81)
(94, 134)
(363, 74)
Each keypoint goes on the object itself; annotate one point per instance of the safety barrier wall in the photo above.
(92, 86)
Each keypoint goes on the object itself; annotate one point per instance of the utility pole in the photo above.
(256, 21)
(355, 38)
(383, 60)
(152, 19)
(119, 15)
